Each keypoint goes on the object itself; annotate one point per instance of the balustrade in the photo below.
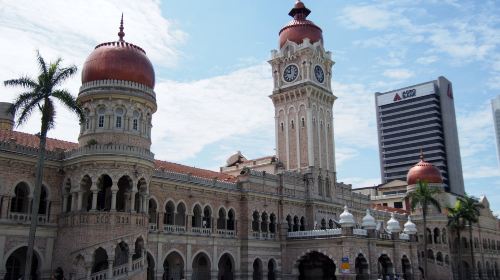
(26, 218)
(226, 233)
(174, 229)
(75, 219)
(153, 227)
(101, 275)
(201, 231)
(360, 231)
(315, 233)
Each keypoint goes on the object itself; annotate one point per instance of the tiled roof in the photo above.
(31, 140)
(179, 168)
(390, 209)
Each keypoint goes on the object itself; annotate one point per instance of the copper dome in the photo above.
(119, 61)
(425, 172)
(300, 28)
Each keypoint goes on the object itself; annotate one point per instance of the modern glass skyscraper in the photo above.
(495, 105)
(415, 118)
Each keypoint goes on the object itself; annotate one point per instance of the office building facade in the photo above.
(415, 119)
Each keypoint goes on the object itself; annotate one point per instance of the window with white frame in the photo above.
(135, 121)
(118, 117)
(100, 119)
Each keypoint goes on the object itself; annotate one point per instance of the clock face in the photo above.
(291, 72)
(319, 74)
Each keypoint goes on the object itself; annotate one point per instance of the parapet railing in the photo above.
(315, 233)
(118, 84)
(20, 149)
(189, 178)
(110, 150)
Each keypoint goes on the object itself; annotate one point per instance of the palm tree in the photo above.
(424, 196)
(470, 212)
(39, 94)
(456, 223)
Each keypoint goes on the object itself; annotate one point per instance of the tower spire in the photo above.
(121, 34)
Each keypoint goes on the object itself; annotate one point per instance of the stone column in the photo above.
(113, 198)
(144, 205)
(110, 267)
(65, 203)
(88, 268)
(132, 202)
(95, 192)
(80, 200)
(130, 260)
(74, 198)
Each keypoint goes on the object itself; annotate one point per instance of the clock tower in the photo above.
(303, 98)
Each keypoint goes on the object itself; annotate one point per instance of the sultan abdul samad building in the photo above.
(110, 210)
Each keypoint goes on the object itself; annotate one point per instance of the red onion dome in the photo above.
(119, 60)
(300, 28)
(424, 171)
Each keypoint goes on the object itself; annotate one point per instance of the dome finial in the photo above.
(421, 154)
(121, 34)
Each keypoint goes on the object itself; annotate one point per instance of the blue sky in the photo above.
(213, 81)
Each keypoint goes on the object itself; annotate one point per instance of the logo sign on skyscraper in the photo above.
(405, 94)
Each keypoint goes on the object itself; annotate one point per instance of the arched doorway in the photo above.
(151, 267)
(271, 270)
(201, 267)
(406, 267)
(173, 267)
(385, 267)
(316, 266)
(16, 262)
(226, 268)
(466, 270)
(361, 266)
(100, 260)
(257, 270)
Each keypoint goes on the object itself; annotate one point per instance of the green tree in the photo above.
(471, 210)
(456, 223)
(424, 197)
(39, 94)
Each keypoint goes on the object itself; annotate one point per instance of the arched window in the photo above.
(302, 224)
(135, 121)
(207, 217)
(320, 185)
(296, 225)
(444, 237)
(86, 113)
(330, 224)
(303, 122)
(180, 216)
(196, 219)
(328, 187)
(221, 221)
(289, 222)
(169, 213)
(255, 221)
(323, 223)
(42, 209)
(263, 223)
(437, 238)
(272, 224)
(100, 116)
(429, 236)
(20, 201)
(119, 117)
(230, 220)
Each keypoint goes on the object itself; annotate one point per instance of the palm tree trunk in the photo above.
(36, 204)
(472, 251)
(424, 216)
(459, 262)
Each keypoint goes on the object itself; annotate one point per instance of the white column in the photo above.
(74, 199)
(113, 200)
(80, 200)
(298, 126)
(110, 267)
(287, 148)
(310, 140)
(132, 202)
(326, 145)
(94, 200)
(319, 138)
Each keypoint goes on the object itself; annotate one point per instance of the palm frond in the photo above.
(41, 63)
(67, 99)
(26, 111)
(24, 81)
(63, 74)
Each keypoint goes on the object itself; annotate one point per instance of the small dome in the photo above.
(424, 171)
(368, 221)
(119, 60)
(300, 28)
(393, 225)
(346, 218)
(410, 227)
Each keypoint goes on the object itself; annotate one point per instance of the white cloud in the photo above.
(359, 182)
(64, 29)
(427, 59)
(198, 113)
(399, 74)
(371, 17)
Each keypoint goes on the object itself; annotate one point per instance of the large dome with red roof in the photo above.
(119, 60)
(425, 172)
(300, 28)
